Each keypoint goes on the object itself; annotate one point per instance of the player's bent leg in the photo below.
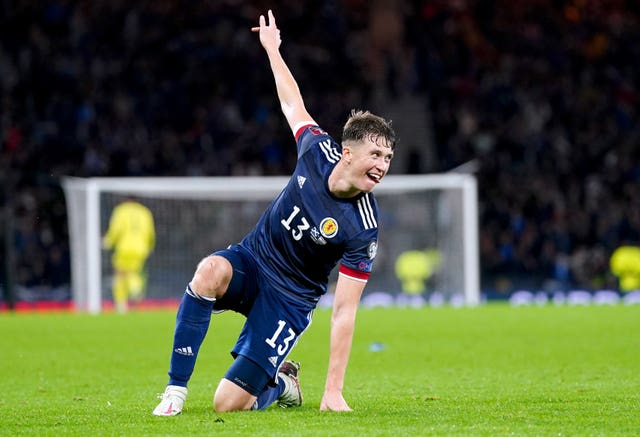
(231, 397)
(212, 277)
(192, 324)
(246, 386)
(241, 385)
(192, 320)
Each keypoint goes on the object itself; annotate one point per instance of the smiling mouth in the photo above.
(374, 177)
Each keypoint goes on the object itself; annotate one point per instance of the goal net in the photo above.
(423, 219)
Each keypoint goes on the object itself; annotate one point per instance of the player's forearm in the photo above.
(286, 85)
(342, 328)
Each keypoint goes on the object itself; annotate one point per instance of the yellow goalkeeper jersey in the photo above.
(131, 230)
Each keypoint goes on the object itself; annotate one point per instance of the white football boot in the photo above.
(292, 395)
(171, 402)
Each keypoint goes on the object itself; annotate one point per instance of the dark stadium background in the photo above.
(539, 98)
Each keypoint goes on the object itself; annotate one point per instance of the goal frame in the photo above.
(86, 282)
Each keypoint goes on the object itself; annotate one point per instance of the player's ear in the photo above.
(347, 154)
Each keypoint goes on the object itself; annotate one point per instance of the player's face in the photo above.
(370, 161)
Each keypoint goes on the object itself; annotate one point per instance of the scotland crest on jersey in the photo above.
(329, 227)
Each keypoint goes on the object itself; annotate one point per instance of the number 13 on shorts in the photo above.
(281, 339)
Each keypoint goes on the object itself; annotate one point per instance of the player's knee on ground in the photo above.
(241, 385)
(212, 276)
(230, 397)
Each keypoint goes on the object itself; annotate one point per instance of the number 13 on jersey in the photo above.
(296, 233)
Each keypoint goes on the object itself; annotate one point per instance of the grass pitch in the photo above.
(487, 371)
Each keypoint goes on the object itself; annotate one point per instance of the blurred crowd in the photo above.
(538, 97)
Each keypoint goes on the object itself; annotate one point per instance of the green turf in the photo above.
(491, 370)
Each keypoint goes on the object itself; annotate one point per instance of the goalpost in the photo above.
(195, 216)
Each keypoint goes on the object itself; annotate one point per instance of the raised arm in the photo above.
(288, 92)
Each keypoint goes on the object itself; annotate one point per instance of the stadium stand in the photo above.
(541, 96)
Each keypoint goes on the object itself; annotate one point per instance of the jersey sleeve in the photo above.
(307, 134)
(357, 261)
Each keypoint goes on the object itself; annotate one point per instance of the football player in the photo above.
(131, 236)
(275, 276)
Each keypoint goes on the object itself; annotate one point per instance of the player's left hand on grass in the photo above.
(334, 402)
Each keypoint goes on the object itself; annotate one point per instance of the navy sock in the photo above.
(269, 395)
(192, 323)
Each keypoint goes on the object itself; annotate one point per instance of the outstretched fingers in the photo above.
(272, 19)
(263, 22)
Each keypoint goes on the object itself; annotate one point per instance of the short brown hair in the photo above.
(364, 124)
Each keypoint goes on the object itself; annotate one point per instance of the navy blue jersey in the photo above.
(306, 230)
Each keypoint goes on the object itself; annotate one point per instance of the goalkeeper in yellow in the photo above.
(131, 236)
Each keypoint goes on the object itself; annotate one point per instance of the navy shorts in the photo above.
(274, 322)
